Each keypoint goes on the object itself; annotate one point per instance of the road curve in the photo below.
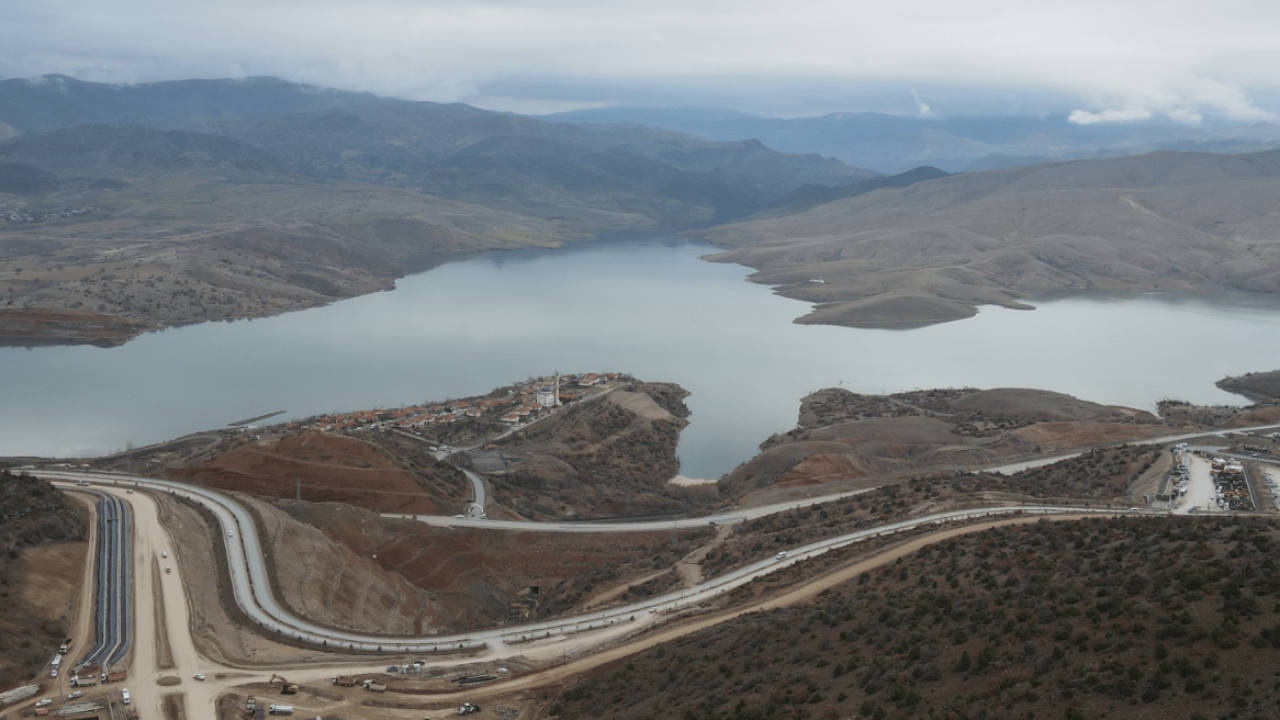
(728, 518)
(252, 587)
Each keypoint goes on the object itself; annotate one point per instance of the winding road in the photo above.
(252, 589)
(252, 586)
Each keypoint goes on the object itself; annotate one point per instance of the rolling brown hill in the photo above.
(856, 440)
(935, 250)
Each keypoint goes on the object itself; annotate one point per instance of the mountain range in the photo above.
(255, 196)
(191, 200)
(895, 143)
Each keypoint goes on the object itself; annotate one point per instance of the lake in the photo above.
(649, 308)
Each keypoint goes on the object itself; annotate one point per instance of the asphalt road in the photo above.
(728, 518)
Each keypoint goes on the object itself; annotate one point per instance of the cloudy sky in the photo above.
(1101, 61)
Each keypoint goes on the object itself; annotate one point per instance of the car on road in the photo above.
(76, 694)
(130, 491)
(198, 676)
(166, 568)
(781, 556)
(164, 553)
(44, 702)
(231, 533)
(125, 695)
(393, 668)
(459, 516)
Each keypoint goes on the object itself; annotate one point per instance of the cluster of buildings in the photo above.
(19, 216)
(1230, 485)
(520, 404)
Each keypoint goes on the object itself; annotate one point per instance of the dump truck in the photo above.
(377, 687)
(345, 680)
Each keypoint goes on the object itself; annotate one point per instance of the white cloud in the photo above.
(922, 108)
(1084, 117)
(1177, 58)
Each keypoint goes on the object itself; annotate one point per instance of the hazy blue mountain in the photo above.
(53, 102)
(894, 144)
(247, 131)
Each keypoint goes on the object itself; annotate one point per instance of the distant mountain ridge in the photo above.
(894, 144)
(55, 102)
(653, 177)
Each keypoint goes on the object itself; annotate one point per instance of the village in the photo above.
(510, 406)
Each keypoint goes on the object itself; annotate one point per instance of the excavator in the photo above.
(286, 687)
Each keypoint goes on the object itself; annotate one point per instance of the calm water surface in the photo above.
(649, 308)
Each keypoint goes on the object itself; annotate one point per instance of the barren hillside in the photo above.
(1258, 387)
(422, 579)
(846, 436)
(608, 457)
(934, 251)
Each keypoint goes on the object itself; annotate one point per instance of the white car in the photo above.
(198, 676)
(125, 694)
(164, 553)
(76, 694)
(44, 702)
